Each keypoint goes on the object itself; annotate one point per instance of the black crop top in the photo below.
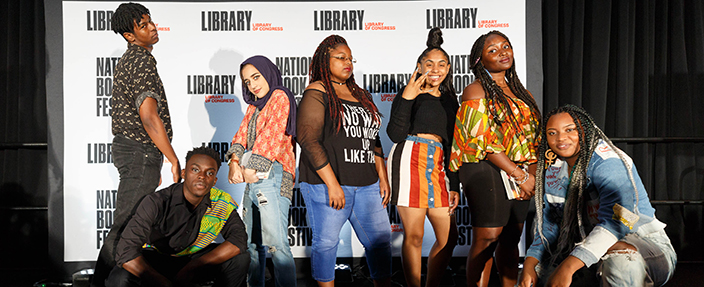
(426, 114)
(350, 152)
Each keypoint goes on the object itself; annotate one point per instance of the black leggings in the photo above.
(486, 196)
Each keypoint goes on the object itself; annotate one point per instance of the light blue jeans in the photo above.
(367, 216)
(651, 265)
(266, 219)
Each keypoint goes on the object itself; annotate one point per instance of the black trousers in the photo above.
(139, 166)
(231, 273)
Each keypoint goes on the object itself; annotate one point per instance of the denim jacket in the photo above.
(612, 206)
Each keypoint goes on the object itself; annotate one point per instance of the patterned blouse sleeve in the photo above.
(239, 141)
(271, 137)
(474, 134)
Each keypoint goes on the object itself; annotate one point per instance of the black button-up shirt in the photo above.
(165, 221)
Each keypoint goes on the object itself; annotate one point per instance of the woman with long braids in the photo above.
(342, 170)
(593, 212)
(265, 141)
(495, 132)
(421, 124)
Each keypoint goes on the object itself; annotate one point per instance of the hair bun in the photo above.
(434, 38)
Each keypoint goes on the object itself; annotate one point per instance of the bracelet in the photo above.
(525, 178)
(231, 160)
(514, 170)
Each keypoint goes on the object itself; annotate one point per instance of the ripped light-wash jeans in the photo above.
(651, 265)
(266, 219)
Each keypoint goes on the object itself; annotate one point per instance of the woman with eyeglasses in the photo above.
(342, 170)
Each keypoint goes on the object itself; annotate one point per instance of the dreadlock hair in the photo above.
(320, 71)
(434, 41)
(571, 227)
(126, 15)
(495, 96)
(204, 150)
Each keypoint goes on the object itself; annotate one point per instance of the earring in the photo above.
(550, 157)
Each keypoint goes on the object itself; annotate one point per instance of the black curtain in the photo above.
(638, 68)
(23, 168)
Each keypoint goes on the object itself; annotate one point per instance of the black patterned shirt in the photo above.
(135, 79)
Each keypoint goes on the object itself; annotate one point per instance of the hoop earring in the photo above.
(550, 157)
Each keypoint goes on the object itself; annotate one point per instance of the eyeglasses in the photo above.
(341, 58)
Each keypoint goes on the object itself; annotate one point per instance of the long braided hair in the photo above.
(496, 98)
(126, 15)
(320, 71)
(572, 227)
(434, 42)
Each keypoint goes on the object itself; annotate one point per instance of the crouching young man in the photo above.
(169, 240)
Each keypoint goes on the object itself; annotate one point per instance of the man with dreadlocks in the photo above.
(592, 211)
(141, 124)
(343, 175)
(495, 131)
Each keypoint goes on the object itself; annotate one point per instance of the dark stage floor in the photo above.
(687, 274)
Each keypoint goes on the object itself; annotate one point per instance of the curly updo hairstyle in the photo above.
(434, 42)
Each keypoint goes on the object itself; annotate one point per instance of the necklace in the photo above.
(341, 84)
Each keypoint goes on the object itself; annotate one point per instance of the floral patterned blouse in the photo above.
(478, 133)
(264, 133)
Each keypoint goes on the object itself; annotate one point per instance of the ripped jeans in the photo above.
(651, 265)
(266, 219)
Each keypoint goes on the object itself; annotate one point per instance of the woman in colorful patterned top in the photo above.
(421, 123)
(494, 132)
(262, 155)
(342, 170)
(593, 212)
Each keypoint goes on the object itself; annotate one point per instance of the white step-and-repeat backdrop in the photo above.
(200, 49)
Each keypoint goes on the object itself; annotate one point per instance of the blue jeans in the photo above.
(266, 218)
(139, 166)
(368, 217)
(651, 265)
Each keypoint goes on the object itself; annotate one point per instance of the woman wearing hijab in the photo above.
(262, 155)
